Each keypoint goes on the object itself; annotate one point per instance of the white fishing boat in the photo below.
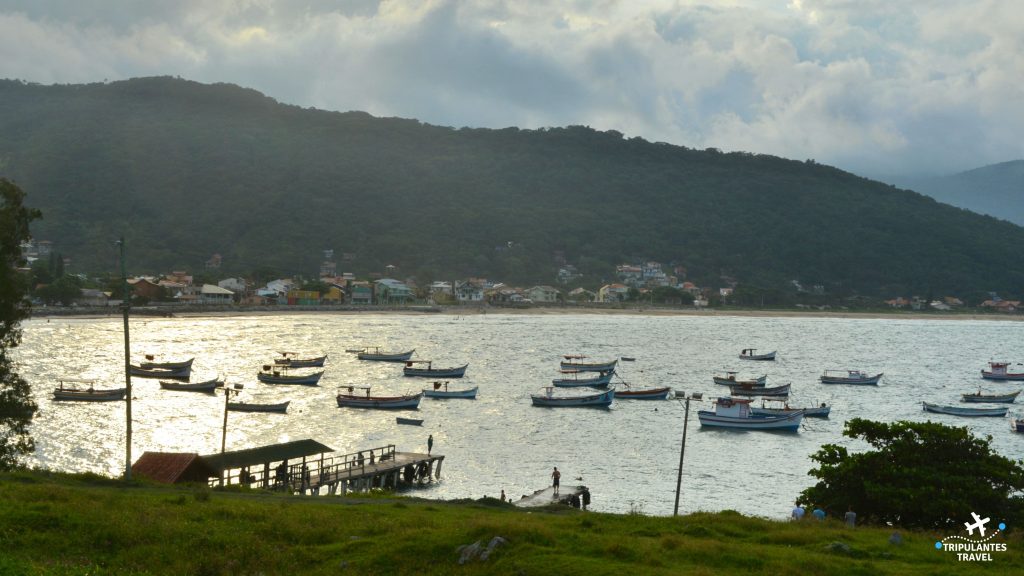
(149, 364)
(441, 390)
(205, 386)
(576, 362)
(642, 393)
(978, 397)
(858, 377)
(293, 360)
(782, 407)
(731, 379)
(960, 411)
(348, 398)
(280, 375)
(580, 378)
(735, 413)
(760, 390)
(548, 398)
(426, 369)
(378, 354)
(751, 354)
(1001, 371)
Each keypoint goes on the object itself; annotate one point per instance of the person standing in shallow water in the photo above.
(430, 444)
(555, 477)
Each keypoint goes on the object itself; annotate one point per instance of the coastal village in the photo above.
(645, 281)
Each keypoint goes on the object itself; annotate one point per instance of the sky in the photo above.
(880, 88)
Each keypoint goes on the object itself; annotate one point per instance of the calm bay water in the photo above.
(627, 455)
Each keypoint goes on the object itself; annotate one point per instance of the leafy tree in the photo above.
(16, 405)
(63, 290)
(921, 474)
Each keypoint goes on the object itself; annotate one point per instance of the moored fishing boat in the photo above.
(376, 353)
(353, 400)
(858, 377)
(735, 413)
(575, 362)
(993, 398)
(960, 411)
(1001, 371)
(730, 379)
(409, 421)
(429, 371)
(441, 390)
(277, 376)
(293, 360)
(279, 408)
(751, 354)
(642, 393)
(821, 411)
(760, 390)
(1017, 424)
(603, 379)
(207, 386)
(149, 364)
(171, 373)
(69, 389)
(548, 398)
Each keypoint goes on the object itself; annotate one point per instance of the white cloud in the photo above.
(868, 85)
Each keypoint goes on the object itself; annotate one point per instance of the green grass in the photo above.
(86, 525)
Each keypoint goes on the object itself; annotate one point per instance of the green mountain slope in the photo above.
(996, 190)
(185, 170)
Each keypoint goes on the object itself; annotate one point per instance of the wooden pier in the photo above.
(305, 467)
(546, 496)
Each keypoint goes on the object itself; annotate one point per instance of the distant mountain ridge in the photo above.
(996, 190)
(185, 170)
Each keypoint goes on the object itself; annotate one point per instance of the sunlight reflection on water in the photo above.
(627, 455)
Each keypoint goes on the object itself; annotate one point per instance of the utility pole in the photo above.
(125, 304)
(682, 450)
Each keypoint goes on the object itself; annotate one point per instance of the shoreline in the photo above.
(233, 312)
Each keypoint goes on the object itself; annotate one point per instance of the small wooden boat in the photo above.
(375, 353)
(598, 400)
(642, 393)
(429, 371)
(1017, 424)
(760, 390)
(627, 359)
(409, 421)
(993, 398)
(959, 411)
(858, 377)
(764, 410)
(751, 354)
(575, 362)
(277, 376)
(440, 390)
(171, 373)
(150, 365)
(207, 386)
(735, 413)
(600, 381)
(69, 389)
(353, 400)
(293, 360)
(730, 379)
(1001, 371)
(250, 407)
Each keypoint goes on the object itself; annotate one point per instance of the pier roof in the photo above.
(265, 454)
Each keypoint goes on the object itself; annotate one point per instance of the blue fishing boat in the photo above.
(441, 390)
(993, 398)
(858, 377)
(603, 379)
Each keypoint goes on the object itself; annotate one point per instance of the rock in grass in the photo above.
(467, 553)
(494, 543)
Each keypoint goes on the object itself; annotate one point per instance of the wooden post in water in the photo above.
(682, 450)
(125, 303)
(224, 430)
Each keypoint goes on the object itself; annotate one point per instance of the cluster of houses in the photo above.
(950, 303)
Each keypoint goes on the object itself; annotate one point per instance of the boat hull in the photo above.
(790, 422)
(174, 373)
(759, 390)
(992, 398)
(112, 395)
(589, 366)
(409, 421)
(768, 356)
(603, 380)
(969, 412)
(301, 362)
(1002, 376)
(816, 412)
(457, 372)
(305, 380)
(869, 381)
(759, 381)
(397, 357)
(208, 386)
(469, 393)
(245, 407)
(600, 400)
(649, 394)
(167, 365)
(380, 402)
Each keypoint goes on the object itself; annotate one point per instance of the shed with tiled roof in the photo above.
(173, 467)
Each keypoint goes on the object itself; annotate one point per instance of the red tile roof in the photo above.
(172, 467)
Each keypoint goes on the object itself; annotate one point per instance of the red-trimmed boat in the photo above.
(642, 393)
(1001, 371)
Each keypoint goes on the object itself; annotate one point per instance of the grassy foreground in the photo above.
(60, 524)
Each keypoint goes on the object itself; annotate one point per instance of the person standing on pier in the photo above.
(555, 477)
(430, 444)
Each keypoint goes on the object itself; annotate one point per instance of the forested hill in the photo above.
(185, 170)
(997, 190)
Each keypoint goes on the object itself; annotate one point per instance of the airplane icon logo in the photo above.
(979, 523)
